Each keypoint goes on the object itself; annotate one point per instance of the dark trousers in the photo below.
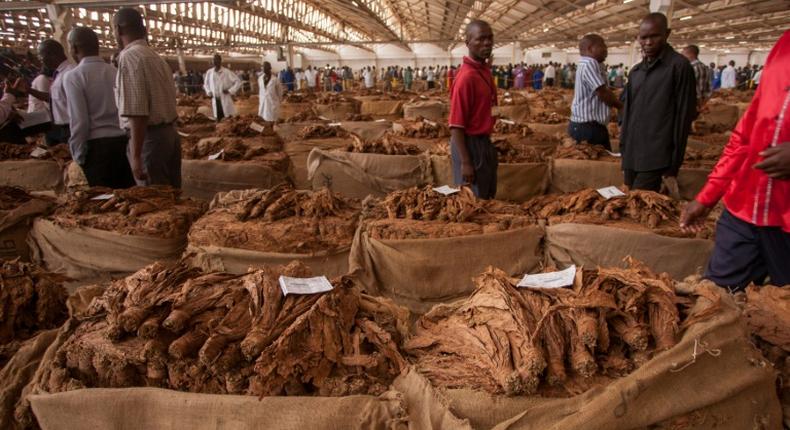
(650, 180)
(220, 112)
(745, 253)
(431, 85)
(106, 164)
(11, 133)
(549, 82)
(58, 134)
(161, 156)
(485, 161)
(591, 132)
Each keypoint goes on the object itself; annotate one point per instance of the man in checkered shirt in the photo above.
(701, 73)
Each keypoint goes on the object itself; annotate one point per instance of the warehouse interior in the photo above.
(395, 214)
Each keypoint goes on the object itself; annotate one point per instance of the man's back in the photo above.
(143, 85)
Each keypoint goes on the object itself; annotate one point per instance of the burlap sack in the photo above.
(717, 118)
(336, 111)
(419, 273)
(18, 373)
(592, 246)
(201, 179)
(74, 178)
(360, 175)
(433, 110)
(568, 176)
(712, 379)
(518, 113)
(516, 182)
(288, 110)
(15, 225)
(233, 260)
(369, 131)
(206, 111)
(370, 105)
(87, 253)
(550, 129)
(299, 150)
(32, 175)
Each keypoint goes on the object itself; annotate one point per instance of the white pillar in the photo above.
(182, 66)
(62, 20)
(662, 6)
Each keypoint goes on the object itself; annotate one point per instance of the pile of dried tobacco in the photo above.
(386, 145)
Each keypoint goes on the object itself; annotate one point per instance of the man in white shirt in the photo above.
(270, 94)
(310, 75)
(299, 79)
(97, 142)
(54, 57)
(41, 83)
(367, 75)
(431, 78)
(550, 74)
(221, 84)
(728, 76)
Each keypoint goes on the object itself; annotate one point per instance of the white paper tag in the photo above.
(507, 121)
(424, 98)
(381, 120)
(429, 122)
(446, 190)
(103, 197)
(257, 127)
(610, 192)
(217, 155)
(182, 134)
(334, 124)
(304, 285)
(560, 279)
(38, 152)
(614, 154)
(323, 118)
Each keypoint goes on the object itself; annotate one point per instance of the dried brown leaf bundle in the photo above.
(422, 129)
(155, 211)
(386, 145)
(321, 131)
(583, 151)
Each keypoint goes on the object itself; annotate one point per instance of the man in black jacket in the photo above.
(660, 105)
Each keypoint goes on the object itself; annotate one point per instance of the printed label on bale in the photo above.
(381, 120)
(507, 121)
(334, 124)
(614, 154)
(38, 153)
(610, 192)
(217, 155)
(315, 285)
(446, 190)
(431, 123)
(257, 127)
(182, 134)
(103, 197)
(563, 278)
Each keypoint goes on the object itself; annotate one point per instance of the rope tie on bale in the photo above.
(694, 354)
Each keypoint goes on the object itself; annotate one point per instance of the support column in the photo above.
(633, 53)
(182, 66)
(62, 20)
(290, 57)
(663, 6)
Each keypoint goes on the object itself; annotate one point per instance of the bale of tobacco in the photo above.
(278, 220)
(510, 150)
(243, 126)
(703, 156)
(262, 149)
(421, 128)
(422, 213)
(304, 116)
(583, 151)
(31, 300)
(320, 131)
(387, 145)
(174, 327)
(59, 153)
(638, 209)
(156, 211)
(18, 209)
(504, 339)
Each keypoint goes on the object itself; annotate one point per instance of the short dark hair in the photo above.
(475, 23)
(658, 18)
(589, 40)
(694, 49)
(130, 21)
(85, 39)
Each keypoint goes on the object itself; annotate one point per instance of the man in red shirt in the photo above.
(753, 177)
(472, 95)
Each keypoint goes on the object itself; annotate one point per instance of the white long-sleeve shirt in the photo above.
(550, 72)
(728, 77)
(60, 112)
(6, 107)
(41, 83)
(92, 110)
(368, 76)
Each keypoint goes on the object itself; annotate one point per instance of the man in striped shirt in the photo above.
(701, 73)
(592, 98)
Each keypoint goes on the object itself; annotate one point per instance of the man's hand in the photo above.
(20, 86)
(776, 161)
(137, 169)
(693, 217)
(468, 173)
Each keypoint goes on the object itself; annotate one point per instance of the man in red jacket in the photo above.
(753, 178)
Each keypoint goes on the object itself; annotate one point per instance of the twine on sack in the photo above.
(694, 354)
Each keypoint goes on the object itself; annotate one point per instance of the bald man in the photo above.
(472, 96)
(97, 142)
(592, 98)
(660, 105)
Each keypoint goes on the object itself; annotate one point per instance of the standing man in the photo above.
(299, 76)
(368, 76)
(54, 58)
(471, 99)
(270, 94)
(753, 179)
(728, 76)
(592, 98)
(309, 76)
(550, 74)
(431, 78)
(97, 143)
(660, 105)
(408, 77)
(42, 84)
(146, 104)
(701, 74)
(221, 84)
